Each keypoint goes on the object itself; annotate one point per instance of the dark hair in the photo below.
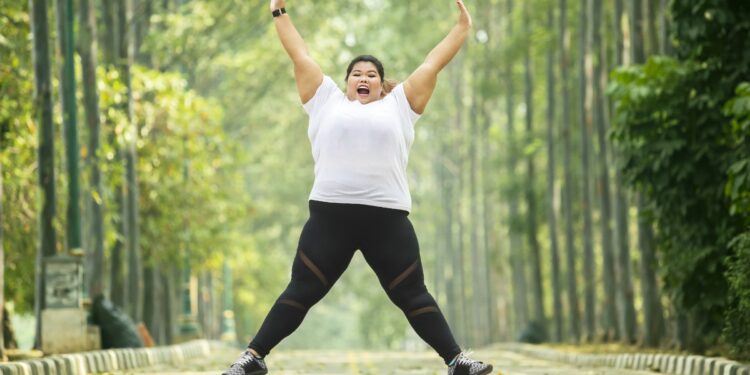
(366, 58)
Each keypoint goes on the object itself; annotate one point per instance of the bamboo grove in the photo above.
(582, 173)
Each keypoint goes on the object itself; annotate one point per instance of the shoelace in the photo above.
(245, 360)
(463, 359)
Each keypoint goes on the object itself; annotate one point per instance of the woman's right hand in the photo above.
(276, 4)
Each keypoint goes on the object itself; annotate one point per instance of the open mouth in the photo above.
(363, 90)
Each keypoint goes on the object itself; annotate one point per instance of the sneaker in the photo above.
(248, 364)
(463, 365)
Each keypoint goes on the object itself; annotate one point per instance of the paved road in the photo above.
(381, 363)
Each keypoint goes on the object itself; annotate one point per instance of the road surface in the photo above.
(379, 363)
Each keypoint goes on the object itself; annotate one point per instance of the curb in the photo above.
(663, 363)
(110, 360)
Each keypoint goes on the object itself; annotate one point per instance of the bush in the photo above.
(737, 328)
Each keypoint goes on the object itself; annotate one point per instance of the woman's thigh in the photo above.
(324, 251)
(391, 249)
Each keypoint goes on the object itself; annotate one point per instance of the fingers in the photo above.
(461, 6)
(464, 17)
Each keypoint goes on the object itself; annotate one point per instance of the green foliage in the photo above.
(680, 148)
(738, 186)
(738, 191)
(18, 141)
(175, 126)
(736, 332)
(671, 153)
(187, 168)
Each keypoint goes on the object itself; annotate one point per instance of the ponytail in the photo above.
(388, 85)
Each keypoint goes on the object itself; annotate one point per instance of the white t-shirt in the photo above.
(360, 150)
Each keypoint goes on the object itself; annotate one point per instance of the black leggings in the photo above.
(327, 244)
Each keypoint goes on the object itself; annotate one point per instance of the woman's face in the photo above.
(364, 83)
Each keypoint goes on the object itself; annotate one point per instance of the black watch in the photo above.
(278, 12)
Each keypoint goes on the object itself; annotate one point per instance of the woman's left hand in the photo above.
(464, 18)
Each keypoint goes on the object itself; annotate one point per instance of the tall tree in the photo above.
(151, 296)
(605, 218)
(135, 268)
(478, 297)
(111, 45)
(557, 310)
(43, 109)
(478, 294)
(652, 10)
(518, 269)
(87, 48)
(2, 265)
(170, 303)
(625, 294)
(652, 308)
(488, 174)
(456, 161)
(589, 274)
(665, 43)
(65, 21)
(537, 288)
(574, 317)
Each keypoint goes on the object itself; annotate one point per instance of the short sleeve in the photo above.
(323, 95)
(404, 108)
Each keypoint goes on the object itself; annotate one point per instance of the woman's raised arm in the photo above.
(420, 84)
(307, 72)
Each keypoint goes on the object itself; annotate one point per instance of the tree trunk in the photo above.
(2, 268)
(87, 50)
(118, 291)
(451, 288)
(637, 52)
(474, 225)
(135, 268)
(441, 290)
(488, 181)
(487, 212)
(110, 39)
(211, 312)
(605, 220)
(652, 309)
(621, 205)
(618, 34)
(518, 270)
(652, 7)
(170, 306)
(551, 212)
(439, 274)
(151, 301)
(65, 20)
(489, 245)
(574, 316)
(665, 43)
(46, 151)
(117, 288)
(531, 230)
(458, 261)
(589, 274)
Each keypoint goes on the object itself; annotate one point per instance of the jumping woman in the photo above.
(360, 198)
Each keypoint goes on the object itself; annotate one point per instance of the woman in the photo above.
(360, 198)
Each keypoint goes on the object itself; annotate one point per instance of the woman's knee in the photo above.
(302, 294)
(412, 298)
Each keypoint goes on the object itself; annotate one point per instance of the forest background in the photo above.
(582, 171)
